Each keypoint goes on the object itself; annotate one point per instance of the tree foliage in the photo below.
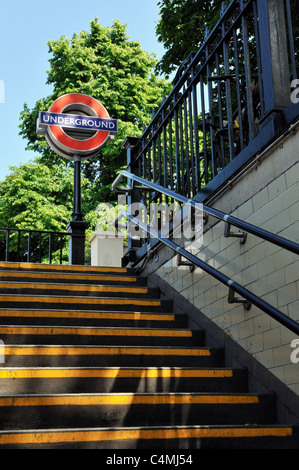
(182, 28)
(36, 197)
(106, 65)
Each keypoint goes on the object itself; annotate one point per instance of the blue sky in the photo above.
(25, 29)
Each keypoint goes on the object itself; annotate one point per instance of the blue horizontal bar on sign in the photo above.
(77, 122)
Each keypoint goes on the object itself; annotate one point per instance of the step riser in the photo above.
(98, 339)
(92, 322)
(110, 358)
(72, 416)
(94, 318)
(107, 304)
(54, 268)
(125, 385)
(71, 279)
(117, 291)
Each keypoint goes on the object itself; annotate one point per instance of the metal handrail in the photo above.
(236, 287)
(254, 230)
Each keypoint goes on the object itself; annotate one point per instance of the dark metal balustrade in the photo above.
(34, 246)
(230, 100)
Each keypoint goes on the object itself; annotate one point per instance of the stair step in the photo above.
(92, 318)
(12, 334)
(54, 277)
(179, 437)
(118, 356)
(39, 288)
(79, 302)
(106, 380)
(169, 409)
(27, 267)
(93, 358)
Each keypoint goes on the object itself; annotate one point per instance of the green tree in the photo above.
(36, 197)
(106, 65)
(182, 28)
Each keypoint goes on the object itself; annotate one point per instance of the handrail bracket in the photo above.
(228, 233)
(232, 299)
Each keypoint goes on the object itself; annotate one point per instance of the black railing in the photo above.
(283, 319)
(293, 247)
(36, 246)
(230, 99)
(243, 225)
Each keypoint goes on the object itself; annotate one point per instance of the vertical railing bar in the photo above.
(230, 128)
(50, 248)
(182, 152)
(237, 72)
(177, 151)
(144, 195)
(143, 160)
(191, 143)
(291, 39)
(212, 120)
(19, 246)
(204, 130)
(149, 166)
(7, 245)
(159, 199)
(195, 131)
(258, 55)
(221, 144)
(164, 150)
(29, 247)
(154, 161)
(61, 247)
(40, 248)
(170, 154)
(250, 112)
(159, 159)
(187, 153)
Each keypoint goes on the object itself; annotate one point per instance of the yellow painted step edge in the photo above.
(80, 300)
(62, 267)
(24, 330)
(113, 373)
(91, 435)
(86, 315)
(72, 287)
(103, 351)
(70, 276)
(128, 399)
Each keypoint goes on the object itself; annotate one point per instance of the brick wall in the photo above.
(266, 195)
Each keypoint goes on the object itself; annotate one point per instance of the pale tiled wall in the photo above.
(268, 196)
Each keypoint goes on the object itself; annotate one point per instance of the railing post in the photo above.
(132, 198)
(274, 57)
(7, 246)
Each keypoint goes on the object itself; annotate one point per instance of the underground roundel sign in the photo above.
(76, 125)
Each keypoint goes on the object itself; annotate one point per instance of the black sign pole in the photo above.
(77, 226)
(77, 207)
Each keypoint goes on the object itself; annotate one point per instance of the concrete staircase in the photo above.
(94, 359)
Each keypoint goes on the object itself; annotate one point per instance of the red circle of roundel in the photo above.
(84, 145)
